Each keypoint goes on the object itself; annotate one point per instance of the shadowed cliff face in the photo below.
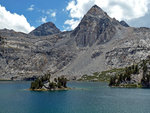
(96, 44)
(96, 26)
(124, 24)
(45, 29)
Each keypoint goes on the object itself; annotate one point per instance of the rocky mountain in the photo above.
(45, 29)
(11, 33)
(98, 43)
(124, 23)
(95, 27)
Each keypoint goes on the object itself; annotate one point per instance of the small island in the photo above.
(46, 83)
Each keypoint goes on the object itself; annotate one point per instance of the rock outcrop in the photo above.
(124, 23)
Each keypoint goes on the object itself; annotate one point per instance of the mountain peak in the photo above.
(95, 27)
(97, 11)
(45, 29)
(96, 7)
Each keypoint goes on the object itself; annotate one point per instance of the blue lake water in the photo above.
(88, 97)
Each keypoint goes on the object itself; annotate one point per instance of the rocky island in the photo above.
(46, 83)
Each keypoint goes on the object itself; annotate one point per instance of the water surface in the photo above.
(88, 97)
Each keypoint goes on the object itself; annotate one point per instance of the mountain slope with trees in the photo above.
(133, 76)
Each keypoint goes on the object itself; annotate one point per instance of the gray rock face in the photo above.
(26, 57)
(45, 29)
(98, 43)
(96, 26)
(124, 23)
(133, 48)
(11, 33)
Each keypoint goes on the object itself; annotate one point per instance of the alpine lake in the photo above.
(84, 97)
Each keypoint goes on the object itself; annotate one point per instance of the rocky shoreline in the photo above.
(57, 89)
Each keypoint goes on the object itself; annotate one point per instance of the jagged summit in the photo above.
(95, 27)
(45, 29)
(97, 11)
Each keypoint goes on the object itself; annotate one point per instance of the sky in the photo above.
(26, 15)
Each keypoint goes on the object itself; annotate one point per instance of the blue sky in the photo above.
(25, 15)
(40, 10)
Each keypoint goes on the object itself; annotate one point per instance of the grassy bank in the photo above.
(103, 76)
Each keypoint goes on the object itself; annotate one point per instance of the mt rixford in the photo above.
(98, 43)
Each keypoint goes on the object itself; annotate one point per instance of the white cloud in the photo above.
(72, 23)
(53, 14)
(78, 8)
(120, 9)
(14, 21)
(44, 19)
(31, 8)
(49, 12)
